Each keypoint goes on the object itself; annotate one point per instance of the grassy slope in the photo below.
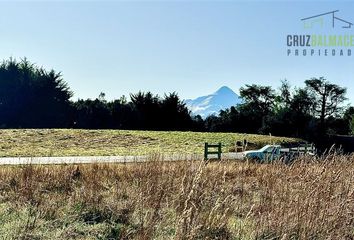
(69, 142)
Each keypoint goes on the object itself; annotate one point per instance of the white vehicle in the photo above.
(266, 153)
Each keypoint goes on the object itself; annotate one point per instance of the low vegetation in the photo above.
(70, 142)
(311, 199)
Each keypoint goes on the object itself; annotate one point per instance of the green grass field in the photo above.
(70, 142)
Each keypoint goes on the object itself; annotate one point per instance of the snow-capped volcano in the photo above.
(213, 103)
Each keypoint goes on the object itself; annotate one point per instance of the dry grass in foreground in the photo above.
(180, 200)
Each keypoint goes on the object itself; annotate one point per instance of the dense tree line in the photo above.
(310, 112)
(32, 97)
(145, 111)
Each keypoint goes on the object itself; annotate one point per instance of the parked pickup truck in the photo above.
(266, 153)
(274, 152)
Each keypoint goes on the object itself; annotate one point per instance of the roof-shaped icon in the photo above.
(317, 18)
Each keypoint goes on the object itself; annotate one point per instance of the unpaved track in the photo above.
(104, 159)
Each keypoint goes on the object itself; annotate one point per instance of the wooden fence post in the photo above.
(206, 151)
(219, 151)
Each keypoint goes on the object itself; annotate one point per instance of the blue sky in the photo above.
(189, 47)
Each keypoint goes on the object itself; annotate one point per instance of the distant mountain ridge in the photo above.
(213, 103)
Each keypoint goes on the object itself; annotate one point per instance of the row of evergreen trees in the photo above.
(32, 97)
(145, 111)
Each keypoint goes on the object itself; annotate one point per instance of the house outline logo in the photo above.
(309, 22)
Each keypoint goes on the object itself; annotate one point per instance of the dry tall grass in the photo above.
(180, 200)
